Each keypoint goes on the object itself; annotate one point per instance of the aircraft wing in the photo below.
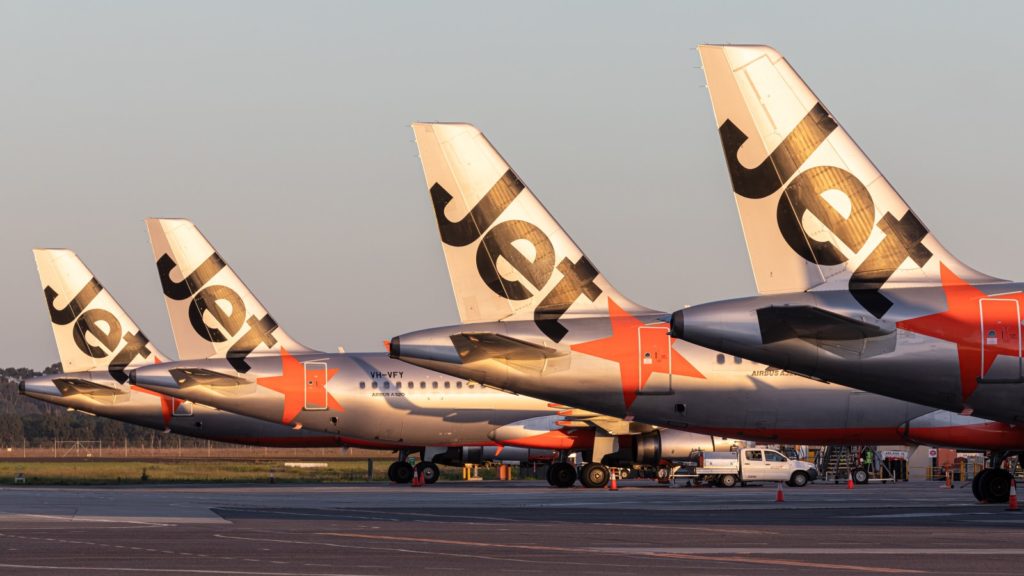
(70, 386)
(473, 346)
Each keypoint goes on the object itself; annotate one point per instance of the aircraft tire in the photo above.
(429, 472)
(594, 475)
(562, 474)
(400, 472)
(976, 484)
(860, 476)
(995, 486)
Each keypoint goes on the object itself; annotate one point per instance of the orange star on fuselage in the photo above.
(961, 324)
(292, 384)
(168, 404)
(623, 347)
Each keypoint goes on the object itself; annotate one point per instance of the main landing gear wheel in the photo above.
(400, 472)
(994, 485)
(860, 476)
(428, 471)
(976, 484)
(561, 475)
(594, 475)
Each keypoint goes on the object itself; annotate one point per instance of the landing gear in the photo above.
(594, 475)
(976, 484)
(992, 485)
(860, 476)
(428, 471)
(561, 474)
(400, 472)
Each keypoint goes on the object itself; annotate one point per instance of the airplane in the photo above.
(98, 343)
(853, 288)
(242, 361)
(539, 319)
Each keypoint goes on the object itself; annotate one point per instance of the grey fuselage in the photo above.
(933, 346)
(723, 394)
(159, 412)
(374, 401)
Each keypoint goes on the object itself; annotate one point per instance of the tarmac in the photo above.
(520, 527)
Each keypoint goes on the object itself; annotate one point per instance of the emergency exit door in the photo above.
(316, 385)
(1000, 336)
(655, 366)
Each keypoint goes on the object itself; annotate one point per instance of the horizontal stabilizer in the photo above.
(187, 377)
(72, 386)
(474, 346)
(780, 323)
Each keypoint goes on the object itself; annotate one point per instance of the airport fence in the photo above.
(87, 449)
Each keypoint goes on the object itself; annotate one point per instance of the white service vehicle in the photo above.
(753, 465)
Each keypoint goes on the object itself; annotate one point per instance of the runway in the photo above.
(504, 528)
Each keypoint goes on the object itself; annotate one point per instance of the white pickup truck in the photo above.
(753, 465)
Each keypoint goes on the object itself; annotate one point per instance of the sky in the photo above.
(282, 130)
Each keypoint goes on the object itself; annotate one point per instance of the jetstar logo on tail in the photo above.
(292, 384)
(805, 195)
(220, 305)
(498, 241)
(96, 331)
(623, 346)
(983, 327)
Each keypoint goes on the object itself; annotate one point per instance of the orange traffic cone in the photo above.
(614, 484)
(416, 478)
(849, 483)
(949, 479)
(1013, 496)
(778, 493)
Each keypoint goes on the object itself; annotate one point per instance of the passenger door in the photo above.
(777, 466)
(316, 386)
(1000, 335)
(753, 467)
(655, 352)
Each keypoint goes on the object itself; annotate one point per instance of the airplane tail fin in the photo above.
(212, 313)
(507, 256)
(92, 331)
(815, 211)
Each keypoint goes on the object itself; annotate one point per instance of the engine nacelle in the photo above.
(652, 448)
(457, 456)
(543, 432)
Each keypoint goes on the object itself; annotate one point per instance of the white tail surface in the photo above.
(815, 211)
(212, 313)
(92, 331)
(507, 256)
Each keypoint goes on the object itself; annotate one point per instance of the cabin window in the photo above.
(720, 358)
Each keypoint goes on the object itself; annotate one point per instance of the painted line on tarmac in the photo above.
(829, 551)
(151, 570)
(392, 550)
(640, 553)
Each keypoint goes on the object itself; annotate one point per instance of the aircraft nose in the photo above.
(677, 324)
(152, 377)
